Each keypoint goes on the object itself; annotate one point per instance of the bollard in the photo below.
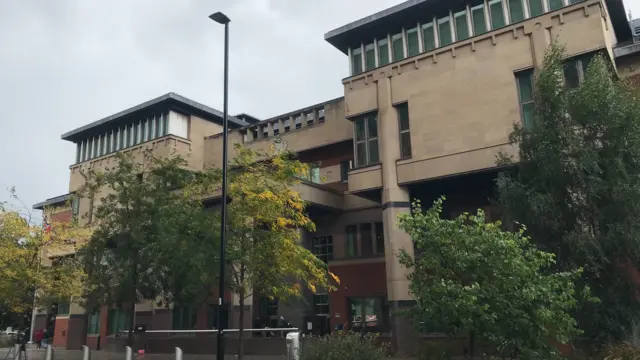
(49, 354)
(129, 353)
(178, 353)
(293, 346)
(16, 352)
(86, 354)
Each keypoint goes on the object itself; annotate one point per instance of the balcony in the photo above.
(365, 178)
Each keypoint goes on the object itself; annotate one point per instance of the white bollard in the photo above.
(49, 354)
(178, 353)
(16, 352)
(86, 354)
(293, 346)
(129, 353)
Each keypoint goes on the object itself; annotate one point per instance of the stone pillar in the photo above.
(249, 134)
(395, 200)
(270, 129)
(303, 117)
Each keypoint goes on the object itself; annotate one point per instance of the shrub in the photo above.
(623, 351)
(342, 346)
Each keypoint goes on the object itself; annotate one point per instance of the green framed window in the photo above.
(366, 131)
(496, 11)
(117, 320)
(516, 11)
(184, 318)
(444, 30)
(524, 80)
(405, 134)
(368, 314)
(478, 20)
(356, 60)
(555, 4)
(397, 46)
(94, 323)
(369, 57)
(536, 8)
(379, 238)
(462, 27)
(571, 2)
(351, 246)
(63, 308)
(383, 52)
(428, 37)
(413, 43)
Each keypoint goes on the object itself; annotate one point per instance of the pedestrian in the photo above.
(38, 338)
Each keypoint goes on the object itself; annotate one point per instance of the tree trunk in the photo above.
(241, 317)
(472, 345)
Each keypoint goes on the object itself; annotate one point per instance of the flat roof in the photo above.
(52, 201)
(410, 12)
(167, 101)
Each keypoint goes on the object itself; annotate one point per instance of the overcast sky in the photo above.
(66, 63)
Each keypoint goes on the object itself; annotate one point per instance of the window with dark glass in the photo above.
(117, 320)
(428, 37)
(555, 4)
(516, 10)
(321, 304)
(356, 60)
(299, 122)
(276, 128)
(254, 131)
(368, 314)
(369, 57)
(379, 229)
(366, 239)
(444, 30)
(212, 316)
(383, 52)
(496, 11)
(413, 44)
(576, 68)
(63, 308)
(287, 125)
(367, 140)
(94, 323)
(321, 115)
(405, 134)
(397, 47)
(524, 81)
(345, 165)
(265, 131)
(322, 247)
(536, 8)
(478, 19)
(462, 27)
(351, 241)
(310, 118)
(184, 318)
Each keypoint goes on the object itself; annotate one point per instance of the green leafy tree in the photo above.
(265, 215)
(341, 346)
(473, 280)
(577, 188)
(152, 241)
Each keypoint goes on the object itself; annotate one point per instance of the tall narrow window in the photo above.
(497, 14)
(379, 238)
(162, 125)
(576, 68)
(413, 47)
(152, 128)
(478, 19)
(366, 239)
(345, 165)
(145, 130)
(94, 324)
(139, 132)
(444, 30)
(287, 125)
(397, 47)
(367, 140)
(78, 151)
(122, 139)
(383, 52)
(428, 37)
(112, 142)
(524, 81)
(356, 60)
(184, 318)
(323, 248)
(351, 241)
(516, 11)
(555, 4)
(96, 146)
(369, 57)
(536, 8)
(131, 134)
(462, 27)
(405, 134)
(276, 128)
(105, 141)
(85, 151)
(314, 173)
(299, 122)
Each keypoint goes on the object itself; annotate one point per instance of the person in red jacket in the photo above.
(38, 338)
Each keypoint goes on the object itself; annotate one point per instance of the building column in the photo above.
(395, 201)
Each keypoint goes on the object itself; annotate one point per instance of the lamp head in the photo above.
(220, 18)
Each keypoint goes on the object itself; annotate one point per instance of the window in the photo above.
(575, 1)
(105, 144)
(525, 94)
(413, 47)
(321, 304)
(369, 57)
(397, 47)
(78, 151)
(576, 68)
(63, 308)
(370, 313)
(276, 128)
(535, 7)
(405, 134)
(96, 147)
(99, 146)
(265, 131)
(94, 323)
(351, 248)
(254, 132)
(299, 122)
(516, 11)
(118, 320)
(323, 248)
(152, 128)
(314, 173)
(356, 60)
(496, 11)
(184, 318)
(287, 125)
(145, 130)
(212, 316)
(428, 37)
(478, 20)
(383, 52)
(138, 132)
(75, 206)
(345, 165)
(268, 310)
(310, 118)
(555, 4)
(109, 143)
(444, 30)
(123, 138)
(130, 135)
(321, 115)
(379, 228)
(84, 151)
(367, 140)
(366, 239)
(462, 27)
(162, 125)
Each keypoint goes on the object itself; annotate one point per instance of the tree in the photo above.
(265, 215)
(473, 280)
(577, 187)
(37, 261)
(152, 241)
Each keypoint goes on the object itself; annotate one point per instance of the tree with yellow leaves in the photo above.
(265, 218)
(37, 260)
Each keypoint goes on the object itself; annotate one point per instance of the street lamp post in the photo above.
(221, 18)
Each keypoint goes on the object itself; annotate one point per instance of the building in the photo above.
(434, 91)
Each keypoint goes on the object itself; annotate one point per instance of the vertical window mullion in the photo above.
(420, 41)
